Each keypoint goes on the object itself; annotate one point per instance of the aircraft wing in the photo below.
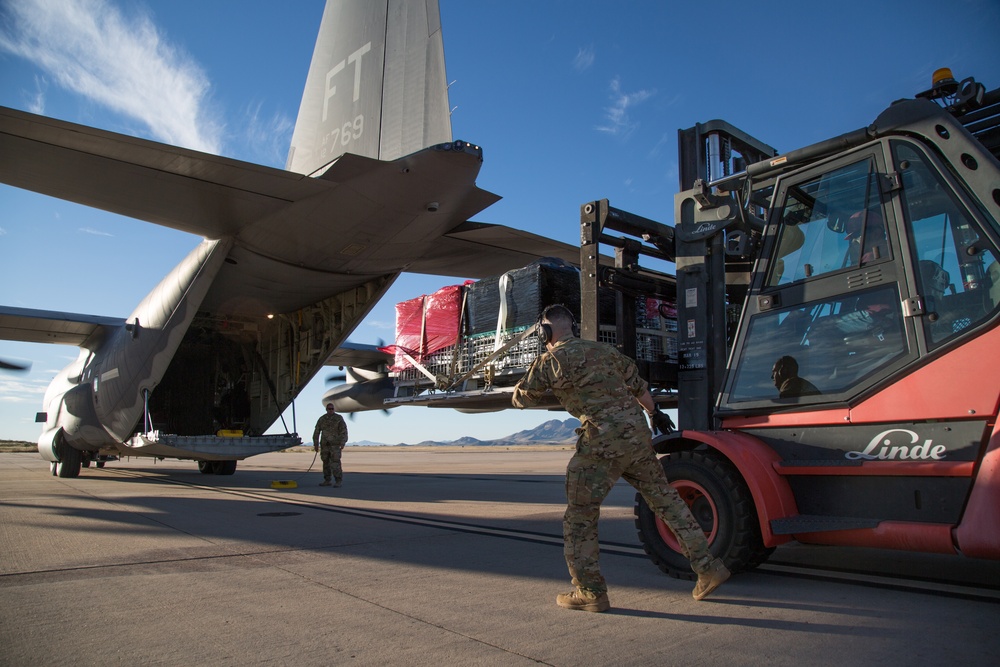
(46, 326)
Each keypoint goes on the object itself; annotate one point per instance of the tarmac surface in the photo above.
(442, 556)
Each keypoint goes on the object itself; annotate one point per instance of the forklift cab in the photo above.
(870, 263)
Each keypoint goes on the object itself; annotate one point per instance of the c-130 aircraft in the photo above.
(292, 260)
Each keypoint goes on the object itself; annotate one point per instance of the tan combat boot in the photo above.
(710, 579)
(584, 601)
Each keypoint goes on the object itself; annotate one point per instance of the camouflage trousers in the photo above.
(589, 480)
(330, 455)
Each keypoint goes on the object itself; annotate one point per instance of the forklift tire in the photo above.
(722, 505)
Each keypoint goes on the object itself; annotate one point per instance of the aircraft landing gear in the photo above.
(217, 467)
(69, 462)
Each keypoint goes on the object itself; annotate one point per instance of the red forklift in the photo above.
(836, 362)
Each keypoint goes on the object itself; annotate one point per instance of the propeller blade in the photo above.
(14, 366)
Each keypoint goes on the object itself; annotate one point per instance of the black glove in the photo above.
(661, 422)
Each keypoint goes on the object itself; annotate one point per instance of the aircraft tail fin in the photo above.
(376, 86)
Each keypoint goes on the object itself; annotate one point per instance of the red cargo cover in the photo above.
(426, 324)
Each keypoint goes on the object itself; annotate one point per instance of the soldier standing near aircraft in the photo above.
(329, 438)
(602, 388)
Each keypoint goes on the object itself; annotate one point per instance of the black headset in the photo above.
(545, 331)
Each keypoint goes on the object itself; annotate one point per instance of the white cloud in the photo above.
(93, 232)
(617, 119)
(37, 103)
(121, 62)
(268, 138)
(21, 391)
(654, 152)
(584, 58)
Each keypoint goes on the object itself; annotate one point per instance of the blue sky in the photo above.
(571, 101)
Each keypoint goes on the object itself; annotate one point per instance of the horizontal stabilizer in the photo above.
(193, 192)
(478, 250)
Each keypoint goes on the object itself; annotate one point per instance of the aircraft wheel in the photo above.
(100, 464)
(69, 465)
(225, 467)
(206, 467)
(720, 502)
(85, 463)
(54, 468)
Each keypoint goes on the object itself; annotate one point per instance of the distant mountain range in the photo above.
(552, 432)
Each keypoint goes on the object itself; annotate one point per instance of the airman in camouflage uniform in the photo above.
(329, 438)
(602, 388)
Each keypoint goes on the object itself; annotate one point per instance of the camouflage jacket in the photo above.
(596, 384)
(334, 430)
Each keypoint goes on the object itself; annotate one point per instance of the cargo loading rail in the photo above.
(205, 447)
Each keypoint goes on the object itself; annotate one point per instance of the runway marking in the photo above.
(817, 573)
(859, 578)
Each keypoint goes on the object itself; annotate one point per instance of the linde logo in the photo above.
(899, 444)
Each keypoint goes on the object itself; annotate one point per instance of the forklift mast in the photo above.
(709, 246)
(715, 233)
